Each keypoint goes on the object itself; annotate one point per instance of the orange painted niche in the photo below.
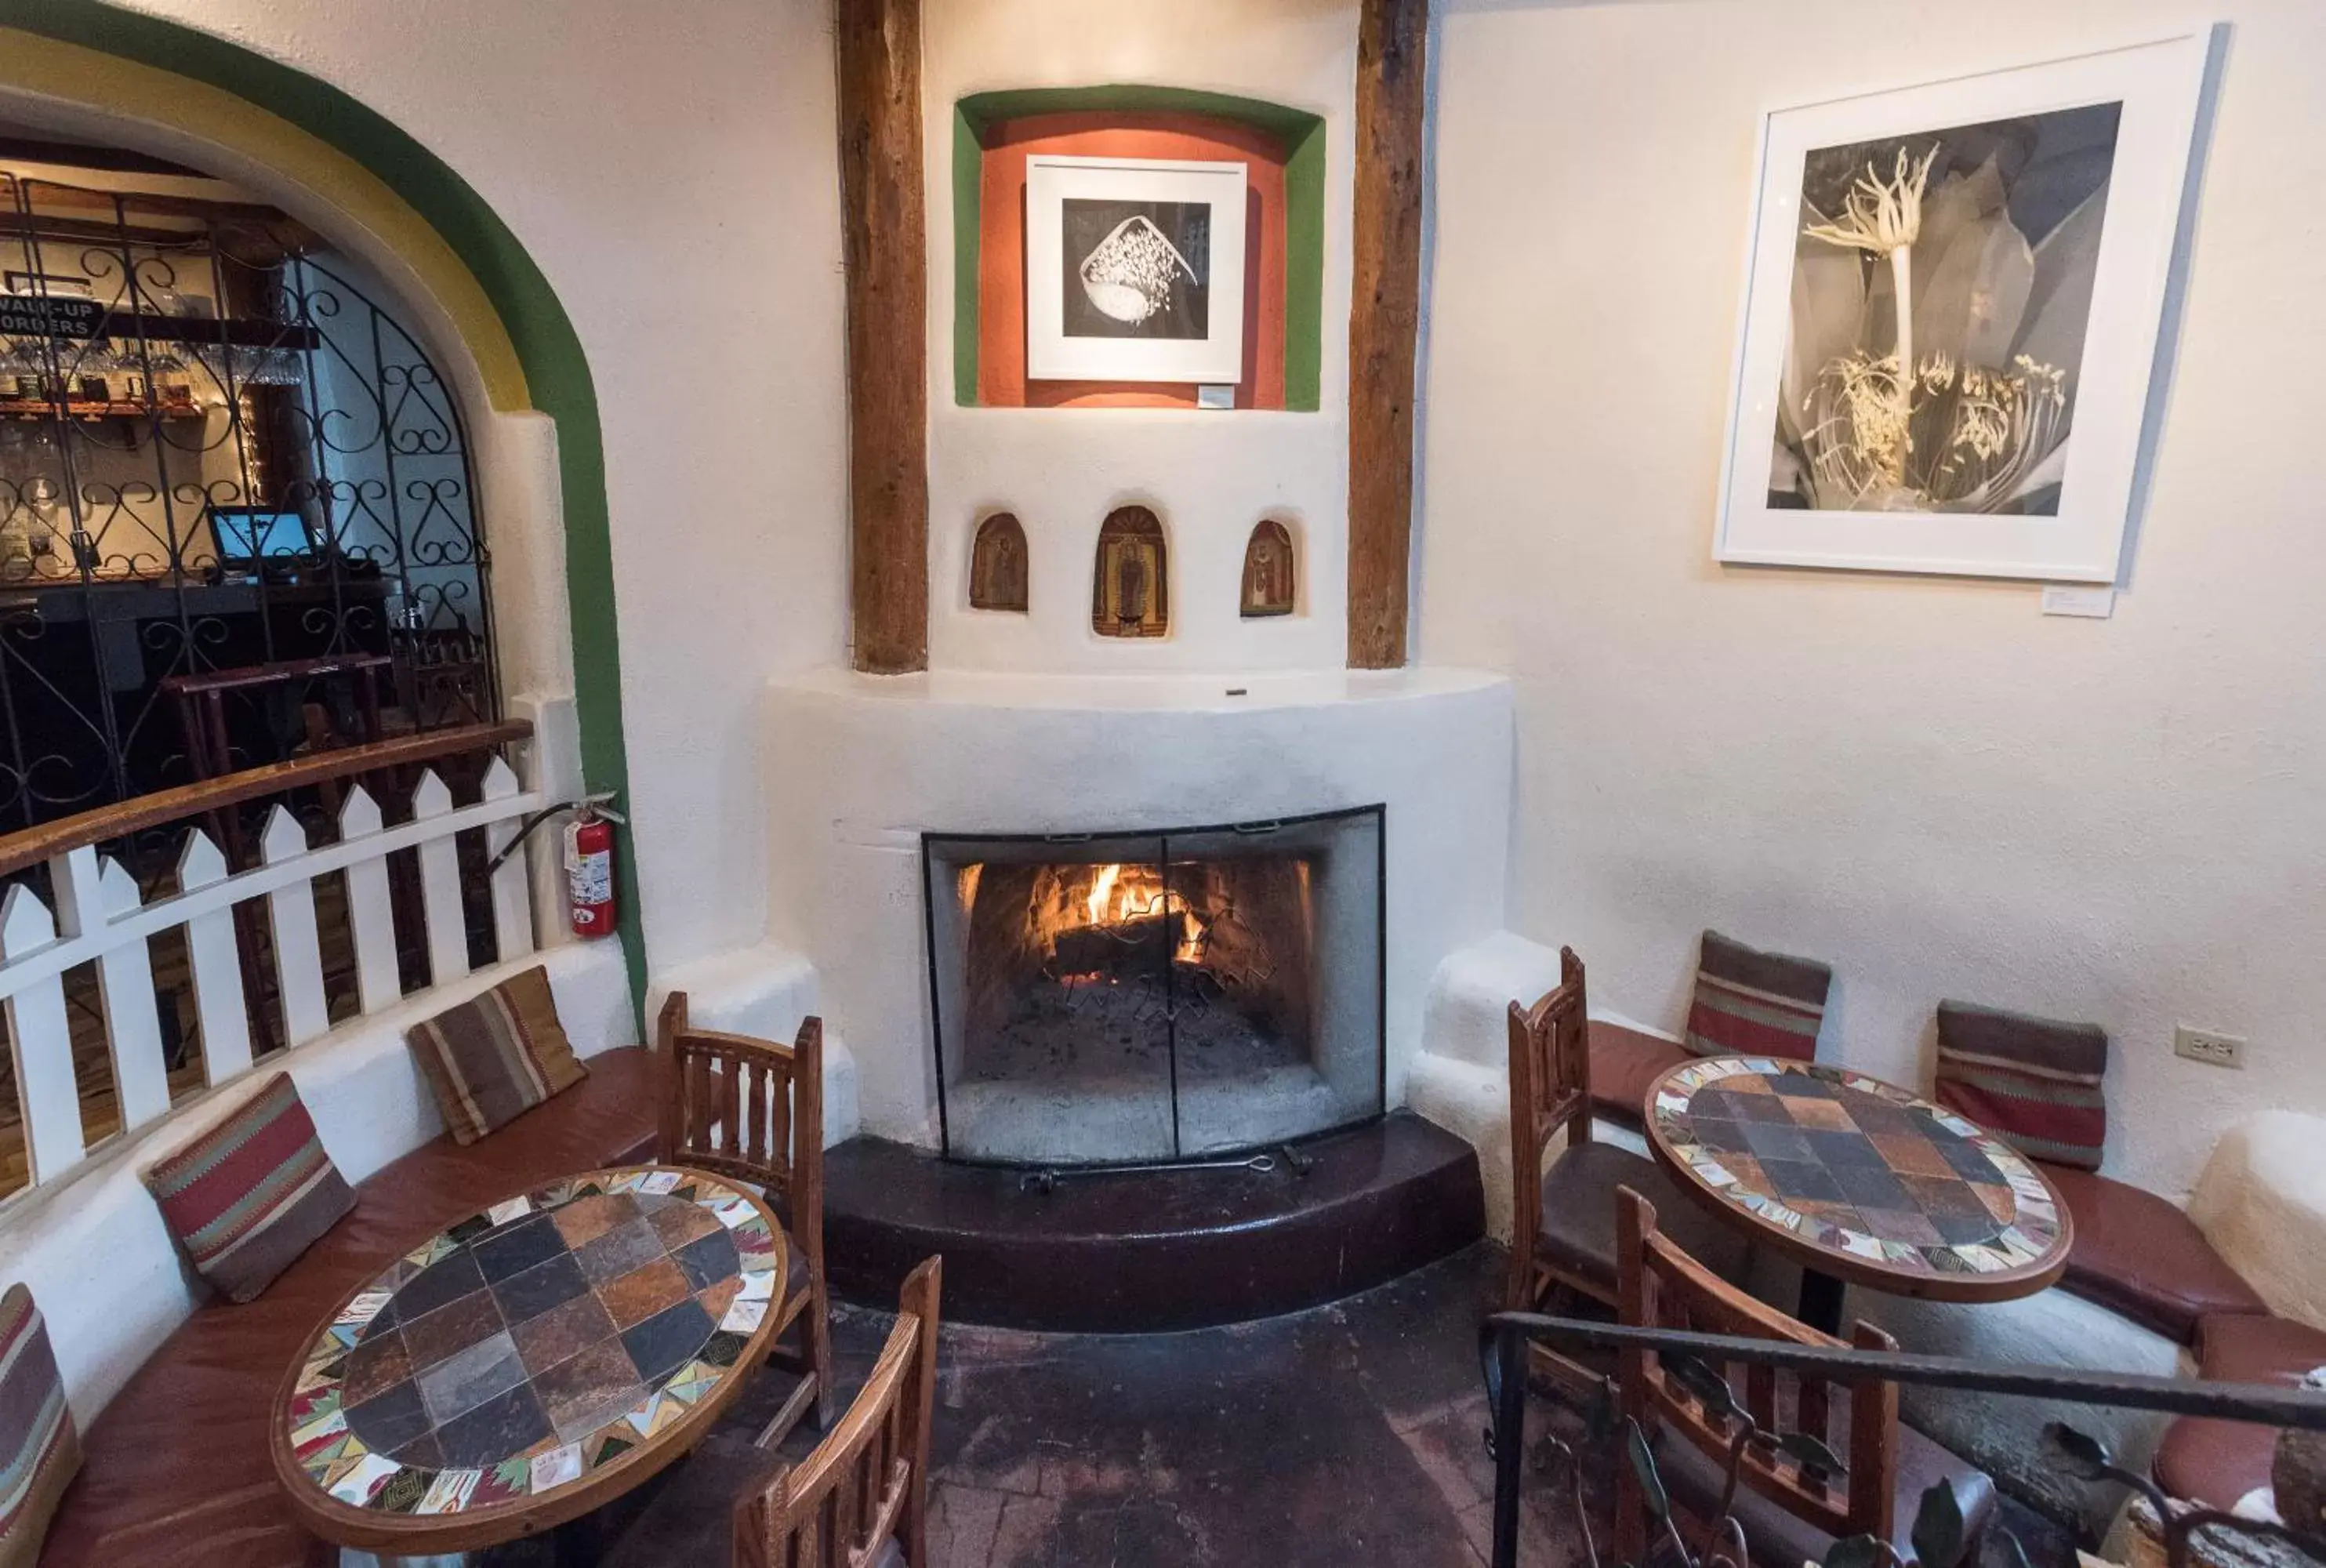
(1002, 381)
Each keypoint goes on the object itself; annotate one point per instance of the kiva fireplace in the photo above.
(1156, 996)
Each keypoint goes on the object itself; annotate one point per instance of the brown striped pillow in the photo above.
(40, 1451)
(1749, 1003)
(494, 1057)
(2034, 1081)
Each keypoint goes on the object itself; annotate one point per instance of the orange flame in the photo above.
(1117, 895)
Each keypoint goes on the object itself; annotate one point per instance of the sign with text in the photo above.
(33, 315)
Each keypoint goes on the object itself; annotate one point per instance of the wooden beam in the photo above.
(1384, 324)
(885, 244)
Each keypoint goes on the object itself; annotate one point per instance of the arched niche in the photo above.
(1131, 588)
(1271, 571)
(998, 564)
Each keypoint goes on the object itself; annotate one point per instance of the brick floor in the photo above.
(1347, 1435)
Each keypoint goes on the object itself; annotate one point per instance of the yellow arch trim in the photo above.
(45, 68)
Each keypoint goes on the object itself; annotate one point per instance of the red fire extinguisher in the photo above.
(589, 868)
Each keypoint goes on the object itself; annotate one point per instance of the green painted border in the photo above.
(1299, 132)
(556, 368)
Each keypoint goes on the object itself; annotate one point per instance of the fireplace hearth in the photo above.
(1156, 996)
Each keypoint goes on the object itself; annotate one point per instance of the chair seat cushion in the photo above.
(176, 1468)
(2217, 1462)
(1624, 1065)
(1777, 1539)
(1578, 1215)
(2138, 1255)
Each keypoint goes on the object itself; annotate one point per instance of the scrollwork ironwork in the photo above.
(247, 460)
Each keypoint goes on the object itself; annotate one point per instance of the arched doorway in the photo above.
(238, 513)
(178, 92)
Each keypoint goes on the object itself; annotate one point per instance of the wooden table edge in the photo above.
(428, 1535)
(2004, 1285)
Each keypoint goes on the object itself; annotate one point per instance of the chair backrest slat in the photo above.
(1660, 1286)
(749, 1108)
(868, 1481)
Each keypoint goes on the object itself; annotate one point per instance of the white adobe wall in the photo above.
(1210, 476)
(673, 171)
(1924, 781)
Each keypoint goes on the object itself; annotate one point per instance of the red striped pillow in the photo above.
(1749, 1003)
(253, 1194)
(40, 1451)
(2035, 1082)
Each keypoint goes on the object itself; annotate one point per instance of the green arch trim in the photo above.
(1300, 134)
(556, 369)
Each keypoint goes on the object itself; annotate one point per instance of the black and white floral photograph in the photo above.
(1956, 318)
(1941, 291)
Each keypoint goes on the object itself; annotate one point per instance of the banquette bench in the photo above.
(176, 1468)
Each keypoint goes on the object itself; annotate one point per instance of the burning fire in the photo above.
(1119, 896)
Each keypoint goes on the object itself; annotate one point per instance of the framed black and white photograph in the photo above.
(1952, 310)
(1134, 270)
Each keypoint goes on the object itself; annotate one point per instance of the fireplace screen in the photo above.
(1156, 996)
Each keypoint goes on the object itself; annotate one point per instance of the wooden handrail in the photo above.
(30, 847)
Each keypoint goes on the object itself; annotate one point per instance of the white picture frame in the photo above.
(1131, 303)
(2024, 470)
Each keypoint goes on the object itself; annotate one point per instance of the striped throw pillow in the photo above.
(253, 1193)
(39, 1448)
(494, 1057)
(1749, 1003)
(2034, 1081)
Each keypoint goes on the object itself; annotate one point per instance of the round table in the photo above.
(530, 1363)
(1858, 1181)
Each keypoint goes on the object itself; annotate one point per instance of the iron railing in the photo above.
(1691, 1359)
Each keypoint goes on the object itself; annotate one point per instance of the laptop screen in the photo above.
(247, 536)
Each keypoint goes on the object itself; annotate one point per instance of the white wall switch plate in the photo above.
(2092, 602)
(2210, 1046)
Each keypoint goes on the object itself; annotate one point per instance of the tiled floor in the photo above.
(1347, 1435)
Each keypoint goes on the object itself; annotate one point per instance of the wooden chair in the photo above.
(1789, 1515)
(1563, 1226)
(752, 1109)
(861, 1500)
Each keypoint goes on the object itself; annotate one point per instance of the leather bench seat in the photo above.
(2217, 1462)
(177, 1467)
(2141, 1257)
(1624, 1065)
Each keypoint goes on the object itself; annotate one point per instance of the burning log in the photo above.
(1137, 940)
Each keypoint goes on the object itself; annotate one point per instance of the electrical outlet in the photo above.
(2210, 1046)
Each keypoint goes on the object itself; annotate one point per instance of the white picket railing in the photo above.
(101, 918)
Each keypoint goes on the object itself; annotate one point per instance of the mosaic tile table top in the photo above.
(522, 1349)
(1862, 1179)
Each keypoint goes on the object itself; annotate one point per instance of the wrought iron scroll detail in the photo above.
(214, 453)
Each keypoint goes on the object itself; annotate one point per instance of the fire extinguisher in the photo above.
(589, 891)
